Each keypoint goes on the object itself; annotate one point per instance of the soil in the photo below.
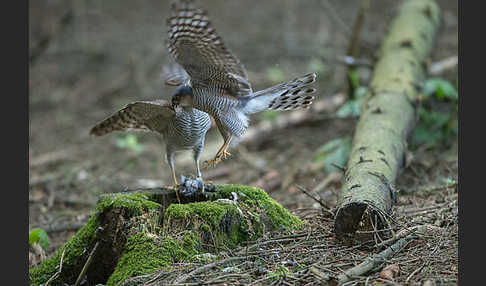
(90, 58)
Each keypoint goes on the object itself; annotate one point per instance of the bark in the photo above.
(387, 116)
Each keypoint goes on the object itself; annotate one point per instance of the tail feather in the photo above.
(289, 95)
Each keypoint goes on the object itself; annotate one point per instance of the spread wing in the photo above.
(196, 46)
(137, 116)
(174, 74)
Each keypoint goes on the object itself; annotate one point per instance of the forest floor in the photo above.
(90, 59)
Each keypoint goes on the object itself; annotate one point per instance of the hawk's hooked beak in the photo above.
(175, 101)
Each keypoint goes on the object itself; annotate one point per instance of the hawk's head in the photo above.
(183, 96)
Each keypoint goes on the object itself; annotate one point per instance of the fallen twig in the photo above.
(441, 66)
(58, 271)
(50, 157)
(318, 273)
(429, 190)
(63, 227)
(373, 261)
(86, 265)
(207, 267)
(325, 207)
(331, 178)
(414, 272)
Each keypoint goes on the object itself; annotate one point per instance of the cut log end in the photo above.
(360, 221)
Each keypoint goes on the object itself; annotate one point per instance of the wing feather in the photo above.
(196, 46)
(137, 116)
(174, 75)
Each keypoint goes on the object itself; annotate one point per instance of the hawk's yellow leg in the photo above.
(220, 155)
(176, 185)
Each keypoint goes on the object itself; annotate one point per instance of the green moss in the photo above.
(206, 218)
(222, 222)
(191, 242)
(210, 212)
(257, 198)
(77, 248)
(144, 254)
(74, 250)
(137, 203)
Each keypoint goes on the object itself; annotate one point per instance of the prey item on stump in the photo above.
(387, 116)
(218, 81)
(123, 238)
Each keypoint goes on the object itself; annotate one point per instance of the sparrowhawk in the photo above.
(182, 128)
(218, 81)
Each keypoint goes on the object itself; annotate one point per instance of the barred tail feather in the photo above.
(285, 96)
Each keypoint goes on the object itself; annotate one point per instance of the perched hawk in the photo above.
(182, 128)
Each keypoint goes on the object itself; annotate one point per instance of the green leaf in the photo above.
(434, 127)
(352, 108)
(423, 135)
(360, 92)
(354, 78)
(39, 236)
(316, 65)
(442, 89)
(336, 152)
(130, 141)
(270, 114)
(275, 74)
(280, 271)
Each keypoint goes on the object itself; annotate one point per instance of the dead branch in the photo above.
(374, 261)
(388, 115)
(439, 67)
(86, 265)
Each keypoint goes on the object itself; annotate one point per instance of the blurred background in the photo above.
(87, 59)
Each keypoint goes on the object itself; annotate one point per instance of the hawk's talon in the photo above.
(211, 163)
(220, 156)
(226, 154)
(202, 183)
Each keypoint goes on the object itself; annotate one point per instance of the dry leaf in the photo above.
(390, 272)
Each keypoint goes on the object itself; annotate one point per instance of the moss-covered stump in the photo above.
(131, 239)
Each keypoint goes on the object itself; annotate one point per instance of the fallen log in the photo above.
(138, 232)
(388, 114)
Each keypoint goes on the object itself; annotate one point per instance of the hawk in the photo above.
(182, 128)
(218, 82)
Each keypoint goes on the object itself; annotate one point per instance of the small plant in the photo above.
(130, 141)
(440, 88)
(280, 271)
(334, 152)
(316, 65)
(270, 115)
(40, 237)
(275, 74)
(352, 107)
(438, 114)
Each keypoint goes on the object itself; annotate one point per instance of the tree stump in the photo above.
(139, 232)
